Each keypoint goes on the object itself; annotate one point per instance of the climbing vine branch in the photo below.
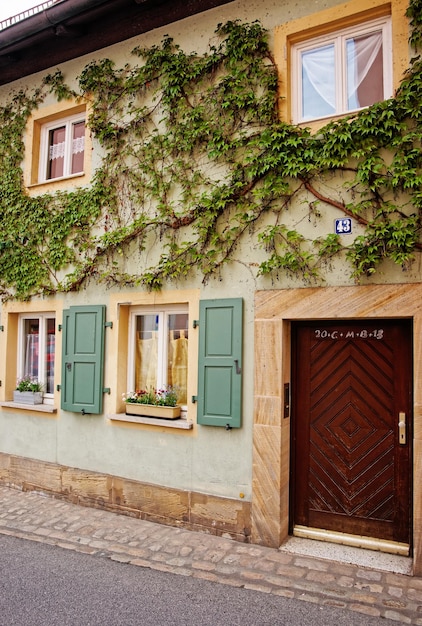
(196, 163)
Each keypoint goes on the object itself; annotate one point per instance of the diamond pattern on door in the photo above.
(350, 382)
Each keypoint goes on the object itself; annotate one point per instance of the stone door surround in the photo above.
(274, 312)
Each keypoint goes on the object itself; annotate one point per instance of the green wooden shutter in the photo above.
(220, 362)
(83, 359)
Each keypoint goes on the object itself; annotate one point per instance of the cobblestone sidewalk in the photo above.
(377, 593)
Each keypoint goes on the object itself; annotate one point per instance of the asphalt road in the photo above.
(42, 585)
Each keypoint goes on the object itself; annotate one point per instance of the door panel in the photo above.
(350, 381)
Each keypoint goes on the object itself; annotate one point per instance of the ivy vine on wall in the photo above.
(195, 159)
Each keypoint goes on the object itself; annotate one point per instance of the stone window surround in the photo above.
(40, 117)
(336, 18)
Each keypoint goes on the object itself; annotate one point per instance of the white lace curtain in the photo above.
(57, 149)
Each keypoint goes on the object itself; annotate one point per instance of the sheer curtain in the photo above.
(146, 362)
(177, 368)
(321, 95)
(161, 351)
(31, 355)
(318, 82)
(50, 358)
(364, 70)
(178, 365)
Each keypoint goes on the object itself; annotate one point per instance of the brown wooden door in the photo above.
(350, 382)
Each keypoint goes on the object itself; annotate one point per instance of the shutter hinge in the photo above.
(106, 390)
(108, 325)
(59, 327)
(2, 328)
(58, 387)
(195, 323)
(194, 399)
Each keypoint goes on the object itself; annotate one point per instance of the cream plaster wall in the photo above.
(203, 459)
(207, 459)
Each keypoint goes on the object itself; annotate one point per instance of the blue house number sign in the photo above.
(344, 226)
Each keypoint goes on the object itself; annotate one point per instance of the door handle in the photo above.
(402, 428)
(69, 367)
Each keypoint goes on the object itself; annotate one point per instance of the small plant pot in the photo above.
(152, 410)
(27, 397)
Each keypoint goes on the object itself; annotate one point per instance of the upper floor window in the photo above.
(62, 148)
(158, 349)
(36, 349)
(342, 71)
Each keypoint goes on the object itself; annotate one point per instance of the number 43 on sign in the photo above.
(343, 227)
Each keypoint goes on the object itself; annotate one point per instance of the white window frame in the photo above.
(338, 38)
(68, 122)
(42, 343)
(162, 312)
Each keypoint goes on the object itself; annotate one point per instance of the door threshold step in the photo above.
(353, 555)
(356, 541)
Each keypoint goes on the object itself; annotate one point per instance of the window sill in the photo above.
(59, 179)
(180, 424)
(41, 408)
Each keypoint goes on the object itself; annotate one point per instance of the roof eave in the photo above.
(73, 28)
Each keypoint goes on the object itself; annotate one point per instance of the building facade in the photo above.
(143, 249)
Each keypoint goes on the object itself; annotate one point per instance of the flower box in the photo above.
(153, 410)
(27, 397)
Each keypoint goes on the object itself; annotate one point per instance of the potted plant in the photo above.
(28, 391)
(153, 403)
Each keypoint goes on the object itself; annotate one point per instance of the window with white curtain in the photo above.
(36, 349)
(342, 71)
(158, 349)
(62, 148)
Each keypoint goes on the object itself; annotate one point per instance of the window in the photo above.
(342, 71)
(58, 148)
(62, 148)
(179, 340)
(158, 349)
(36, 349)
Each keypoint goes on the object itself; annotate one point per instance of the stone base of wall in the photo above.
(186, 509)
